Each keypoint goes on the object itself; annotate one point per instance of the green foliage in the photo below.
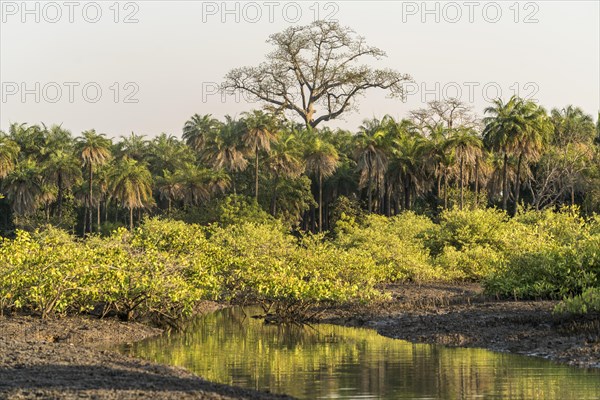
(234, 209)
(264, 264)
(162, 269)
(41, 271)
(549, 255)
(344, 208)
(157, 272)
(586, 302)
(462, 228)
(395, 244)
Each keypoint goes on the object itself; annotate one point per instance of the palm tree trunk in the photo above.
(518, 184)
(406, 194)
(445, 190)
(505, 183)
(369, 195)
(476, 182)
(462, 183)
(572, 195)
(59, 198)
(320, 200)
(439, 187)
(91, 198)
(256, 175)
(131, 219)
(388, 203)
(84, 221)
(274, 196)
(98, 214)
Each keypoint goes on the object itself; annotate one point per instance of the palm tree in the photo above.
(169, 187)
(62, 169)
(467, 146)
(23, 187)
(9, 150)
(224, 148)
(56, 138)
(321, 159)
(168, 152)
(133, 146)
(437, 157)
(407, 159)
(503, 127)
(260, 132)
(371, 150)
(30, 139)
(194, 185)
(284, 161)
(198, 128)
(528, 145)
(571, 125)
(131, 185)
(94, 151)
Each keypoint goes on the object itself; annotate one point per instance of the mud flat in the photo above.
(70, 358)
(460, 315)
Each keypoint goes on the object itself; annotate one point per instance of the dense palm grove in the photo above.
(440, 157)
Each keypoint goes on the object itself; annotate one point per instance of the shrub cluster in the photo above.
(164, 268)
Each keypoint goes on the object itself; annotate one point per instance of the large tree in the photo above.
(316, 72)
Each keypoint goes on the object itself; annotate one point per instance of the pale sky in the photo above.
(171, 55)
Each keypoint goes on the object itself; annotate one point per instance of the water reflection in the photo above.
(326, 361)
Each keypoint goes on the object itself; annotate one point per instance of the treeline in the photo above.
(439, 157)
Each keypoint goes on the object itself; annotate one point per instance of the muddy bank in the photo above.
(68, 358)
(460, 315)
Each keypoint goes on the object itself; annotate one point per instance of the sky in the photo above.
(147, 66)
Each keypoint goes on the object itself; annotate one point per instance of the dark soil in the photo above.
(67, 359)
(460, 315)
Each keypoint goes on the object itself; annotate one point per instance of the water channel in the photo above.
(334, 362)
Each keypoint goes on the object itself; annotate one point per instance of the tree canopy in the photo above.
(316, 72)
